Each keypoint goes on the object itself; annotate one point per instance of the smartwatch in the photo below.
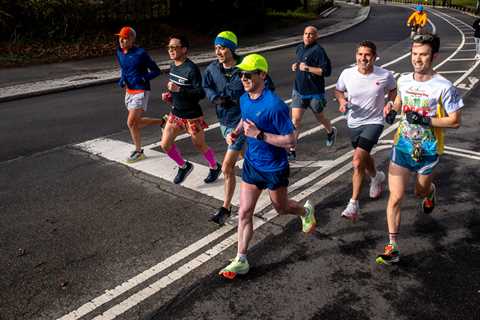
(260, 136)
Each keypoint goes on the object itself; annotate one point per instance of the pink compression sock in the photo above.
(210, 157)
(176, 156)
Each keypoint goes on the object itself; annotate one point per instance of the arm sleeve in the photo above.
(324, 63)
(209, 86)
(281, 119)
(153, 69)
(341, 86)
(391, 83)
(451, 100)
(196, 90)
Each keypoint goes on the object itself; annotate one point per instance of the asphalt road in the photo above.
(74, 225)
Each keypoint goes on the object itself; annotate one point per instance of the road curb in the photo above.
(28, 90)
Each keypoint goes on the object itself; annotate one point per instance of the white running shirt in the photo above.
(365, 94)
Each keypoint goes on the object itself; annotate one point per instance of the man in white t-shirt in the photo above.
(360, 92)
(429, 103)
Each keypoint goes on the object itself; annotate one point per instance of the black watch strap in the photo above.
(261, 136)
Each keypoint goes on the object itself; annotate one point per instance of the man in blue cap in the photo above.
(222, 84)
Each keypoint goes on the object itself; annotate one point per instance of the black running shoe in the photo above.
(213, 174)
(183, 173)
(221, 215)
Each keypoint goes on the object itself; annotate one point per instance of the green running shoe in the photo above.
(390, 255)
(136, 156)
(308, 221)
(237, 266)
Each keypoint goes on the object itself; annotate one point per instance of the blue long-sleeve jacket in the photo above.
(307, 83)
(137, 68)
(218, 84)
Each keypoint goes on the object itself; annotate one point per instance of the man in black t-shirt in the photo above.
(184, 92)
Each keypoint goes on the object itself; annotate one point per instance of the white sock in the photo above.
(242, 257)
(354, 202)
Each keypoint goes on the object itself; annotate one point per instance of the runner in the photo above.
(476, 37)
(269, 130)
(366, 86)
(137, 69)
(429, 103)
(417, 20)
(223, 87)
(311, 67)
(184, 92)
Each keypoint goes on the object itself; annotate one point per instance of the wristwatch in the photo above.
(307, 69)
(260, 136)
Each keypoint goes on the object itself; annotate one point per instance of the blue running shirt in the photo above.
(270, 114)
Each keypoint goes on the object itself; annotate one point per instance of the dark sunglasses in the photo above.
(248, 74)
(422, 37)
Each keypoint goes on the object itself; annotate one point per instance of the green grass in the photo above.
(296, 14)
(465, 3)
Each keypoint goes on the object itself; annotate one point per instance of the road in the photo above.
(84, 236)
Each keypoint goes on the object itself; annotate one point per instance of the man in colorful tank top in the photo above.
(428, 103)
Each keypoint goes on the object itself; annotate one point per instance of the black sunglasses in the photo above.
(422, 37)
(248, 74)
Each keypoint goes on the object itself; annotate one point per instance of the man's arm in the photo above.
(282, 141)
(453, 120)
(342, 101)
(153, 69)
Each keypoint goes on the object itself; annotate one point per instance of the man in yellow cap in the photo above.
(137, 69)
(266, 123)
(223, 87)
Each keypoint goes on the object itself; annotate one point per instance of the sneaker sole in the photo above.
(133, 161)
(186, 175)
(350, 218)
(381, 261)
(311, 229)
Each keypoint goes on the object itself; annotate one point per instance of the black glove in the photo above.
(416, 118)
(390, 118)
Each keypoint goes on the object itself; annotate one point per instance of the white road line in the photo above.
(461, 155)
(463, 59)
(452, 71)
(157, 286)
(463, 150)
(183, 270)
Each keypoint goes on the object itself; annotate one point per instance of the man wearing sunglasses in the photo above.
(269, 130)
(223, 87)
(137, 69)
(184, 93)
(311, 67)
(429, 103)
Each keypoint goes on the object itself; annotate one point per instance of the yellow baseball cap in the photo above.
(253, 62)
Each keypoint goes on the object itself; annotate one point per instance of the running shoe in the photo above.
(351, 212)
(136, 156)
(390, 255)
(183, 173)
(428, 203)
(292, 155)
(331, 137)
(221, 215)
(237, 266)
(213, 174)
(377, 185)
(308, 220)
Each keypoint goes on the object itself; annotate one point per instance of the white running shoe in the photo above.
(377, 185)
(351, 212)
